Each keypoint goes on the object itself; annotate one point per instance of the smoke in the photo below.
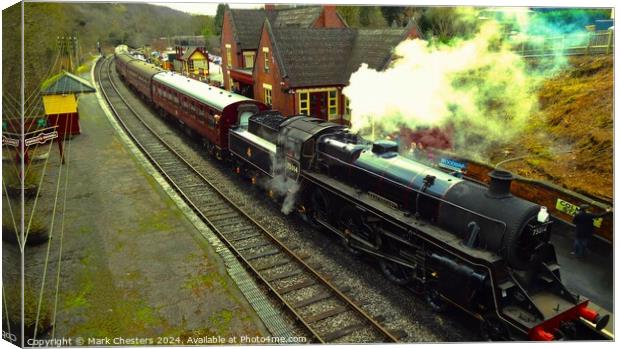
(282, 186)
(478, 87)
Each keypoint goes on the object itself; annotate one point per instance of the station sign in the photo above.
(41, 138)
(571, 210)
(10, 141)
(451, 164)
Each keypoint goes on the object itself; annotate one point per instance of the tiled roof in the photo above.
(249, 22)
(188, 52)
(247, 27)
(374, 47)
(323, 57)
(313, 56)
(302, 17)
(67, 83)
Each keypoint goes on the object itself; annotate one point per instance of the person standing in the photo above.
(584, 224)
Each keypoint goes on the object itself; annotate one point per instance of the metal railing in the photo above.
(582, 43)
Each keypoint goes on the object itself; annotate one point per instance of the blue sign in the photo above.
(452, 164)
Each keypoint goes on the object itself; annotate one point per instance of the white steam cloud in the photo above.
(478, 88)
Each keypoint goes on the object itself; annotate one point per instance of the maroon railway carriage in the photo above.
(139, 75)
(121, 61)
(208, 111)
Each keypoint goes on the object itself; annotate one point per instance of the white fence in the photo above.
(584, 43)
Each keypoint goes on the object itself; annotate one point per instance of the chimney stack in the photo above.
(270, 7)
(500, 184)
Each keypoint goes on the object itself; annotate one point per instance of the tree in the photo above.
(371, 17)
(219, 18)
(446, 23)
(208, 28)
(392, 14)
(351, 14)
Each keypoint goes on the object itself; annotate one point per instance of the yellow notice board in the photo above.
(571, 209)
(59, 104)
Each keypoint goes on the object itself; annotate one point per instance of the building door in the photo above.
(318, 105)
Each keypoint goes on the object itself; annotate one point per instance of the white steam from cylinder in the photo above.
(478, 88)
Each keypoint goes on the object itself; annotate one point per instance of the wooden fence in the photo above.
(584, 43)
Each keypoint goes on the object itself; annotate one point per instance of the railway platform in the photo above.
(134, 264)
(592, 275)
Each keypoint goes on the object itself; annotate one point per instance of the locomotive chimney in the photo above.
(500, 184)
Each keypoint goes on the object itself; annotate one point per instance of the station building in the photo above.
(192, 61)
(299, 60)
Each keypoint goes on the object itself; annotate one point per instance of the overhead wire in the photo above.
(62, 233)
(49, 244)
(36, 199)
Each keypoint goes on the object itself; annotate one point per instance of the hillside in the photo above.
(570, 142)
(110, 24)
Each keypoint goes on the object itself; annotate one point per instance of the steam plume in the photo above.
(478, 87)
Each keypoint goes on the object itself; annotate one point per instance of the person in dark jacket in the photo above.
(584, 223)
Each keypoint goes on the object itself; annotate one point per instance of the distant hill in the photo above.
(110, 24)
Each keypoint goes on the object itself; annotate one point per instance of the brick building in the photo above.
(299, 67)
(241, 31)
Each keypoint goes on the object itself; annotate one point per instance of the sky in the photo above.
(209, 7)
(203, 7)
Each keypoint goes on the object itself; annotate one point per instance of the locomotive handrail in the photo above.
(502, 223)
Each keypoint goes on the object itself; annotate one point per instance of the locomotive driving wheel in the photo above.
(319, 205)
(351, 224)
(493, 329)
(395, 272)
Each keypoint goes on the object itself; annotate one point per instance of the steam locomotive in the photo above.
(478, 248)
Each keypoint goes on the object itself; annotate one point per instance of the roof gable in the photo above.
(247, 26)
(190, 52)
(328, 56)
(247, 23)
(312, 56)
(67, 83)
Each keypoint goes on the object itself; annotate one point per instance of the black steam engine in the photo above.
(461, 243)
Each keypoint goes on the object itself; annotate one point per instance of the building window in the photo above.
(304, 103)
(267, 89)
(332, 103)
(266, 58)
(228, 56)
(248, 60)
(190, 65)
(347, 109)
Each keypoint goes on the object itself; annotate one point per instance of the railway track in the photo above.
(322, 309)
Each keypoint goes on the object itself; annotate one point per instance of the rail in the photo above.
(234, 227)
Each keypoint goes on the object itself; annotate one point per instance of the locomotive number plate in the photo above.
(292, 168)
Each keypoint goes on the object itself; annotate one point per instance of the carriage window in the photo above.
(201, 117)
(211, 119)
